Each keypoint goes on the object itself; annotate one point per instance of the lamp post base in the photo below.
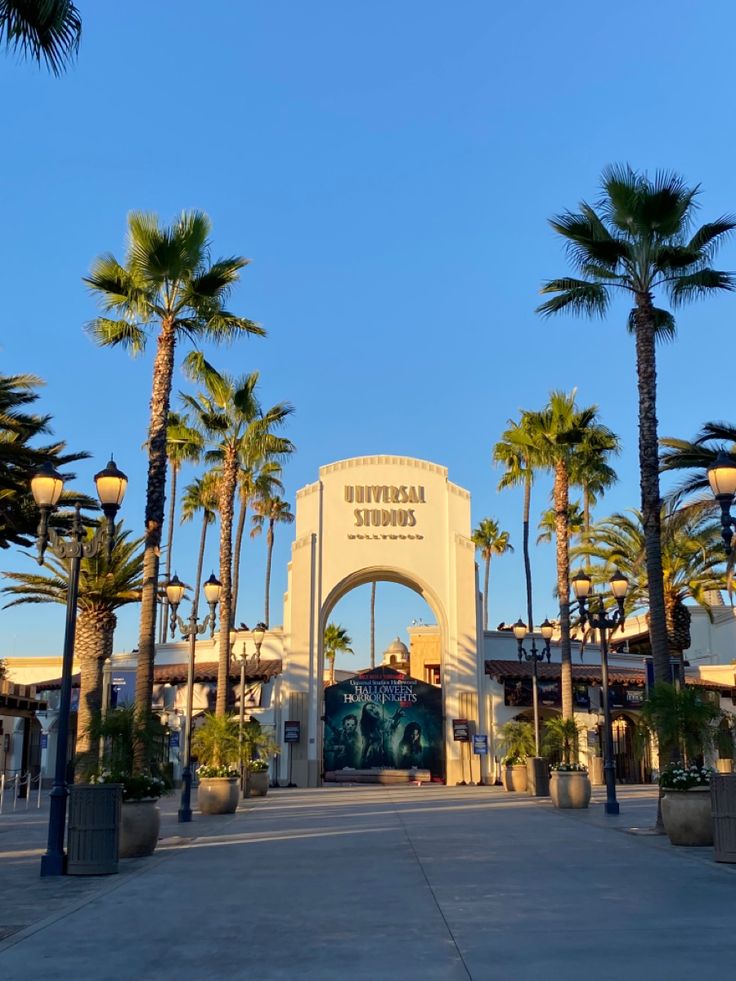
(184, 815)
(611, 807)
(53, 863)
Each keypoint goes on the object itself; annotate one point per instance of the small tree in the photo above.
(216, 742)
(561, 738)
(682, 719)
(517, 741)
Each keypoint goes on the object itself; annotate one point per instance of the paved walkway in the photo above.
(358, 883)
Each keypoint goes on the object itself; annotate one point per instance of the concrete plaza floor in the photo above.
(357, 883)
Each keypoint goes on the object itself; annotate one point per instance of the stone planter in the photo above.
(218, 795)
(256, 784)
(139, 827)
(515, 777)
(724, 766)
(569, 788)
(687, 816)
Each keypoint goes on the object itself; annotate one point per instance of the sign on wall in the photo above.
(292, 731)
(461, 730)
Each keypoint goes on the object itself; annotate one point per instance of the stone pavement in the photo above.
(357, 883)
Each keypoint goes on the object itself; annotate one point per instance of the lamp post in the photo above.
(46, 487)
(619, 586)
(535, 656)
(722, 480)
(189, 631)
(259, 633)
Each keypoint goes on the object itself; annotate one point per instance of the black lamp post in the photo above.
(46, 487)
(189, 631)
(722, 480)
(533, 655)
(619, 585)
(259, 632)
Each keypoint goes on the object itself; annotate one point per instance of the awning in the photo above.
(176, 674)
(19, 700)
(587, 674)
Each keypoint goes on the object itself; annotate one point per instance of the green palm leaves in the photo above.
(46, 31)
(336, 641)
(490, 541)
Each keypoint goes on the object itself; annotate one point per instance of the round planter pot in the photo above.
(515, 777)
(687, 816)
(256, 784)
(569, 788)
(140, 821)
(218, 795)
(724, 766)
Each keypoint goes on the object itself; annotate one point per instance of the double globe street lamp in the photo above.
(535, 656)
(47, 486)
(190, 630)
(598, 620)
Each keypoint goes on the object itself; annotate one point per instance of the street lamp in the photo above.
(46, 486)
(533, 655)
(619, 586)
(722, 480)
(259, 632)
(175, 589)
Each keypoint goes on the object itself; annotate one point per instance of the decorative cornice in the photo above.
(397, 461)
(460, 491)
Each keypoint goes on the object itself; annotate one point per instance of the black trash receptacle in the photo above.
(723, 807)
(94, 828)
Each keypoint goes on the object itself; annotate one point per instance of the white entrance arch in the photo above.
(385, 518)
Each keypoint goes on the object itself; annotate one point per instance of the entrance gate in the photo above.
(384, 518)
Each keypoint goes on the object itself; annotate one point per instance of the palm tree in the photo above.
(491, 541)
(696, 455)
(255, 481)
(168, 286)
(200, 495)
(230, 416)
(561, 428)
(43, 30)
(373, 624)
(20, 458)
(273, 511)
(692, 562)
(183, 445)
(548, 523)
(104, 586)
(590, 469)
(336, 641)
(640, 241)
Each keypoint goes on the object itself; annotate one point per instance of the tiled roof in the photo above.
(586, 673)
(203, 671)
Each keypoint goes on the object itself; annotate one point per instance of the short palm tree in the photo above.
(104, 587)
(200, 496)
(336, 641)
(46, 31)
(696, 456)
(268, 512)
(167, 286)
(638, 241)
(548, 523)
(256, 480)
(490, 541)
(229, 415)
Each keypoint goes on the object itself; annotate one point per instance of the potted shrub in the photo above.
(517, 741)
(216, 746)
(569, 784)
(686, 804)
(256, 778)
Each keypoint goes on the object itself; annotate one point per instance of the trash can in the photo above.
(723, 808)
(537, 776)
(596, 771)
(94, 827)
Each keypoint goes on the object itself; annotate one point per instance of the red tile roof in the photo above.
(587, 673)
(177, 673)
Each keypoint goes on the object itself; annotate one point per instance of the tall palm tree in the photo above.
(490, 540)
(696, 455)
(105, 585)
(201, 495)
(639, 240)
(590, 469)
(336, 641)
(548, 523)
(518, 452)
(269, 511)
(373, 624)
(562, 428)
(256, 480)
(183, 445)
(230, 416)
(692, 562)
(167, 286)
(46, 31)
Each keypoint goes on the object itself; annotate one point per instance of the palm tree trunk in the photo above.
(227, 499)
(373, 625)
(200, 563)
(269, 553)
(561, 492)
(163, 370)
(169, 546)
(331, 658)
(236, 559)
(646, 368)
(485, 592)
(527, 563)
(93, 644)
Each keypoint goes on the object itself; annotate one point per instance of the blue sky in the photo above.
(389, 169)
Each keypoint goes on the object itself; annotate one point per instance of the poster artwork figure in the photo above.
(345, 743)
(377, 735)
(410, 752)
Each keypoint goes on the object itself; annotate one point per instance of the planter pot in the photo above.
(256, 784)
(687, 816)
(569, 788)
(515, 777)
(724, 766)
(139, 827)
(218, 795)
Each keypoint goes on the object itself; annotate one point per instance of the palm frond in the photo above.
(577, 295)
(117, 333)
(47, 31)
(665, 327)
(702, 282)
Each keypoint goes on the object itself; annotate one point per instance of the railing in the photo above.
(11, 787)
